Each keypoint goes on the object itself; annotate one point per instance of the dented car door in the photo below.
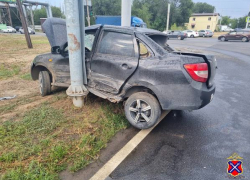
(114, 61)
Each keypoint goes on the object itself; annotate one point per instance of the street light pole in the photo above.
(24, 24)
(168, 17)
(74, 11)
(88, 18)
(126, 13)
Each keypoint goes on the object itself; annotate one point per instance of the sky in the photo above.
(232, 8)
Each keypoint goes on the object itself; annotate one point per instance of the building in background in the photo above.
(200, 21)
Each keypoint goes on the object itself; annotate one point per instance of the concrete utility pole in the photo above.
(168, 17)
(0, 16)
(74, 11)
(24, 24)
(32, 18)
(126, 13)
(9, 14)
(88, 18)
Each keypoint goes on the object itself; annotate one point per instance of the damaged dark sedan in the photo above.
(134, 65)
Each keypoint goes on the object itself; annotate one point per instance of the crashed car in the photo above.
(134, 65)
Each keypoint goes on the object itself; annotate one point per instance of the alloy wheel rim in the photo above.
(140, 111)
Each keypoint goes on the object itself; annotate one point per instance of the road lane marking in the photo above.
(118, 158)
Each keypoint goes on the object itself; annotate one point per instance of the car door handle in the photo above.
(126, 66)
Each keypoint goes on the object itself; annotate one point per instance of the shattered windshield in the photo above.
(89, 41)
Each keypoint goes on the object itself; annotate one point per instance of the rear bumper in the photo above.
(186, 97)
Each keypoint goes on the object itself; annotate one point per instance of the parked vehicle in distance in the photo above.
(31, 31)
(242, 35)
(134, 65)
(205, 33)
(177, 35)
(9, 29)
(17, 28)
(191, 34)
(117, 20)
(227, 30)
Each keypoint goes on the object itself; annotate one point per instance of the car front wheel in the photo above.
(45, 83)
(142, 110)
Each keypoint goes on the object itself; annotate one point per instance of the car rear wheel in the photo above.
(223, 39)
(244, 39)
(142, 110)
(45, 83)
(179, 38)
(204, 35)
(192, 36)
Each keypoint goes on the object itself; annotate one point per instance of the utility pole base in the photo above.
(78, 93)
(78, 101)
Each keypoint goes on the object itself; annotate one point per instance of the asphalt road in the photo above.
(195, 145)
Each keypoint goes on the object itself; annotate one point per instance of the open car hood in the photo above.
(56, 32)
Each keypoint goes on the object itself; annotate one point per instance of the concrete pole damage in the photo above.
(75, 32)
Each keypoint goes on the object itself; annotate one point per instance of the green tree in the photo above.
(240, 23)
(142, 10)
(41, 13)
(15, 17)
(106, 7)
(225, 20)
(203, 8)
(184, 11)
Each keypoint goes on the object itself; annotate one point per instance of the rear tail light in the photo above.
(199, 72)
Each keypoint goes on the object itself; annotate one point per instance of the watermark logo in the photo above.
(235, 167)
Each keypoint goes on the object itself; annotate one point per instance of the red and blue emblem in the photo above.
(235, 165)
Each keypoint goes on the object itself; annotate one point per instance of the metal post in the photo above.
(248, 19)
(9, 14)
(1, 16)
(77, 90)
(88, 18)
(50, 11)
(126, 13)
(168, 17)
(25, 14)
(24, 24)
(220, 21)
(32, 18)
(82, 30)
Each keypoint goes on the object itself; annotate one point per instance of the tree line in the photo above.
(153, 12)
(234, 22)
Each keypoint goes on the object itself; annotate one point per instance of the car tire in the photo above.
(44, 83)
(142, 110)
(204, 35)
(179, 38)
(223, 39)
(244, 39)
(192, 36)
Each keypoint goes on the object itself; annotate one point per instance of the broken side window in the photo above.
(116, 44)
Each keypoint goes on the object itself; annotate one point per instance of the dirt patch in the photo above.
(18, 87)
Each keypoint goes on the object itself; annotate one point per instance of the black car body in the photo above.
(122, 61)
(177, 35)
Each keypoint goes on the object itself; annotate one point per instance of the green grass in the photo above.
(26, 76)
(6, 72)
(49, 139)
(15, 103)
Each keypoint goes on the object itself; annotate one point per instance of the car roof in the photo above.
(135, 29)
